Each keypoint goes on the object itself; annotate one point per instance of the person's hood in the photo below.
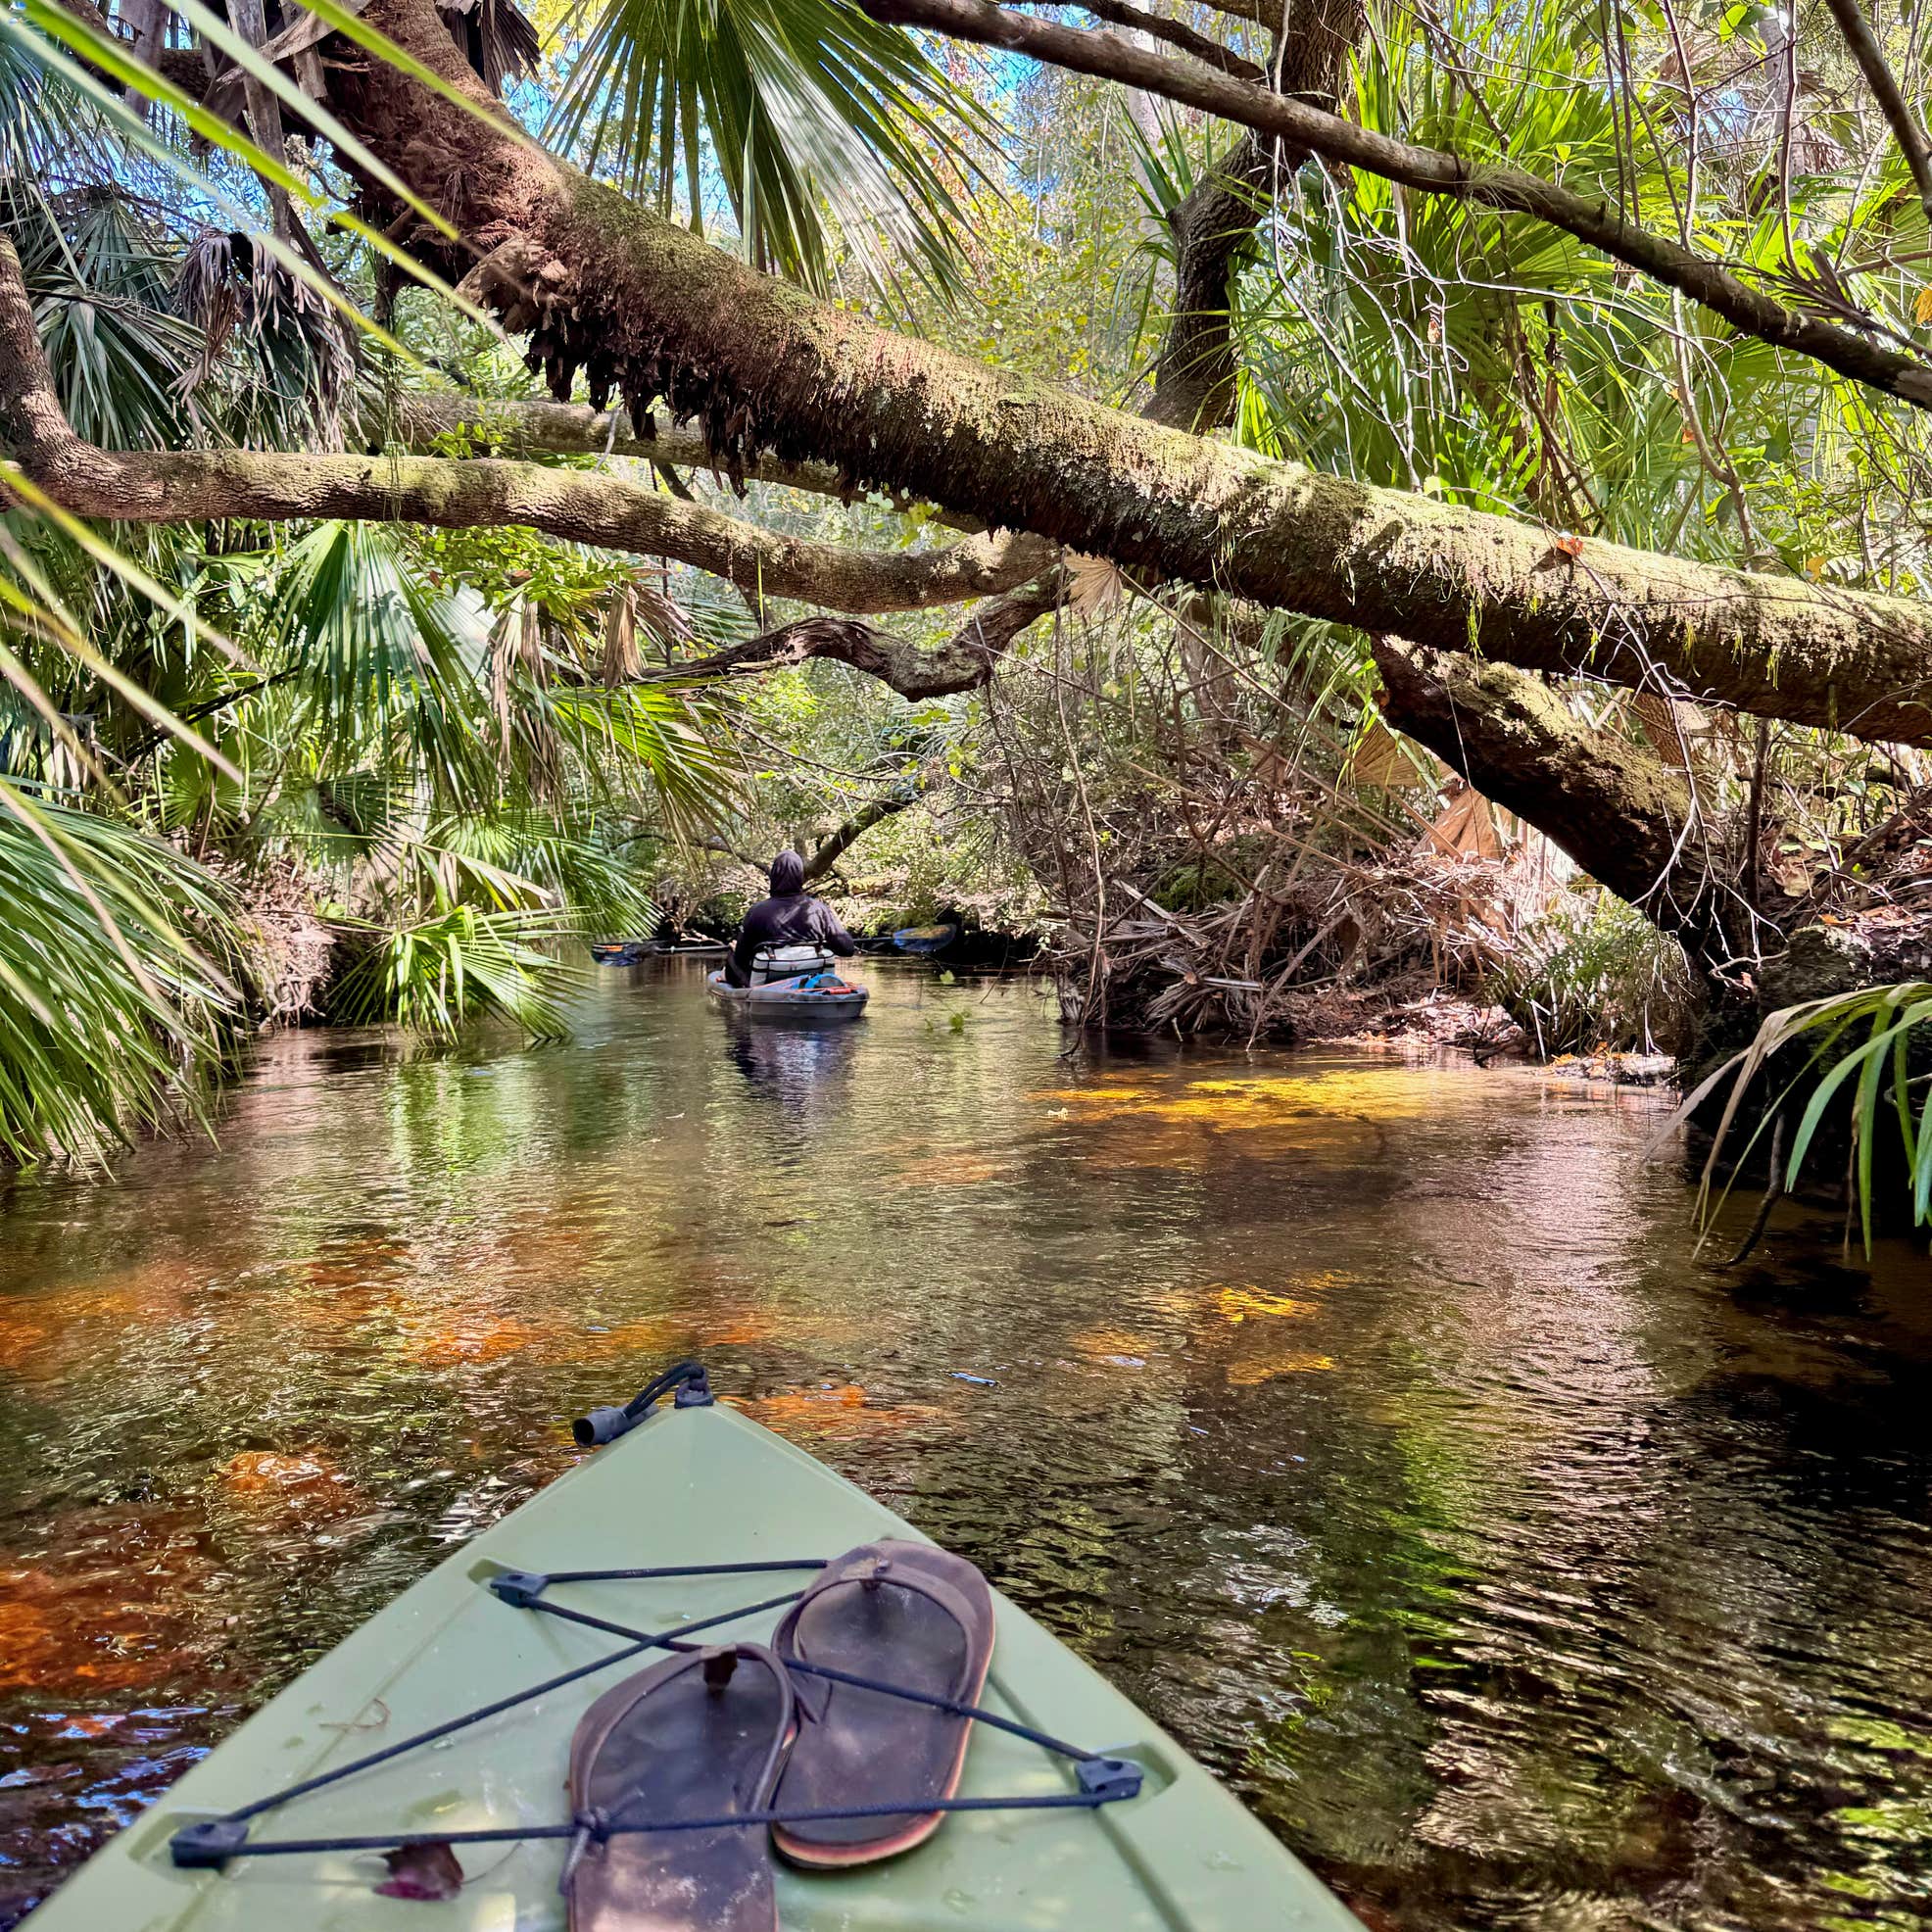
(787, 875)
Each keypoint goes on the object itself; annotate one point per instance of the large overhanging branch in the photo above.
(651, 314)
(1626, 817)
(436, 421)
(580, 507)
(1594, 219)
(601, 511)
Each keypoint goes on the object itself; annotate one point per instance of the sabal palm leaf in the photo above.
(652, 745)
(99, 288)
(570, 860)
(384, 659)
(787, 104)
(439, 974)
(47, 126)
(112, 1019)
(282, 360)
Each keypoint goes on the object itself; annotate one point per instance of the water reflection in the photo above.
(1369, 1423)
(802, 1066)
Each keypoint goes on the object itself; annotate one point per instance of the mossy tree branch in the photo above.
(966, 661)
(581, 506)
(1632, 822)
(645, 310)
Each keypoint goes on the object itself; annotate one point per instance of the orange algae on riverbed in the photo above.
(1255, 1370)
(121, 1601)
(843, 1411)
(274, 1492)
(40, 1332)
(1189, 1126)
(266, 1471)
(948, 1170)
(1120, 1348)
(1241, 1304)
(475, 1339)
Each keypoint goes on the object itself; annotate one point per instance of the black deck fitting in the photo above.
(206, 1846)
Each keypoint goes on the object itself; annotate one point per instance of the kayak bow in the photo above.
(1134, 1840)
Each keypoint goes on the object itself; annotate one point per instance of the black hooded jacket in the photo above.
(790, 917)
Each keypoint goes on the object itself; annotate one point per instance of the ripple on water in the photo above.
(1371, 1424)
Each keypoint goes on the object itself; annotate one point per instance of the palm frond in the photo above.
(440, 975)
(1867, 1046)
(383, 657)
(786, 103)
(113, 1018)
(99, 287)
(282, 358)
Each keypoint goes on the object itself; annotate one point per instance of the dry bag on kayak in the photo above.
(771, 963)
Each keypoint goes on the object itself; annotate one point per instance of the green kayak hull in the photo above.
(689, 1487)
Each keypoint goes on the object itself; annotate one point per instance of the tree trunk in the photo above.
(644, 310)
(1628, 819)
(841, 842)
(1194, 384)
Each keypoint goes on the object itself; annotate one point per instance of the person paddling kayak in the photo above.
(790, 917)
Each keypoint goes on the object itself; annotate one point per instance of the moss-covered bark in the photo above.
(964, 662)
(1621, 812)
(607, 511)
(648, 313)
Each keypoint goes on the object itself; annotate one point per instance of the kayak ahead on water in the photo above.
(925, 939)
(634, 953)
(809, 997)
(423, 1774)
(790, 982)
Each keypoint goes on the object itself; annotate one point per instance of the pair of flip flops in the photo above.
(743, 1729)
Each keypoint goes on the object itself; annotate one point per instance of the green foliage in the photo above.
(1064, 270)
(1594, 975)
(114, 1011)
(1432, 345)
(441, 974)
(99, 287)
(385, 661)
(1867, 1051)
(800, 109)
(425, 735)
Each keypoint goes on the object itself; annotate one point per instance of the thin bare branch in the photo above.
(1157, 26)
(1907, 128)
(1591, 219)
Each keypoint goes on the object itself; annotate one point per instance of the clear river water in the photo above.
(1373, 1424)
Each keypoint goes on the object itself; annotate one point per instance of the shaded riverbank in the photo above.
(1368, 1422)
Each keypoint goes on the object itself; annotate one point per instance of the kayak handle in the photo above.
(602, 1425)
